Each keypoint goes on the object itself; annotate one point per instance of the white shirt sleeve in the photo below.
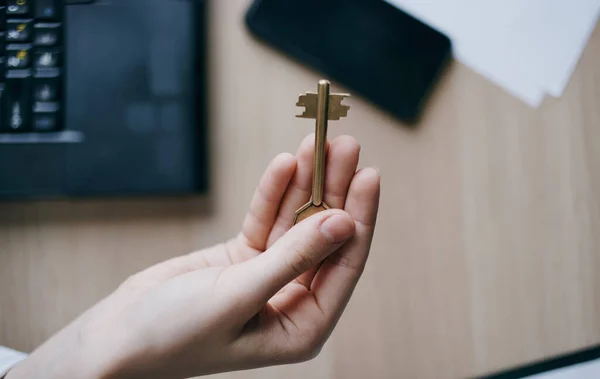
(8, 359)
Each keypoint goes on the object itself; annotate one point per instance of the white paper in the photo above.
(529, 48)
(586, 370)
(544, 37)
(9, 358)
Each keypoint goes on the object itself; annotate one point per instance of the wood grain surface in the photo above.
(487, 251)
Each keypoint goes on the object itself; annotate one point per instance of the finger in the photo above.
(255, 229)
(216, 256)
(334, 283)
(299, 190)
(342, 160)
(276, 334)
(304, 246)
(266, 201)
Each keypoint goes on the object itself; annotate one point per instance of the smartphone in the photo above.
(370, 47)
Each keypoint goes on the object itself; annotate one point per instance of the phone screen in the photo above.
(369, 46)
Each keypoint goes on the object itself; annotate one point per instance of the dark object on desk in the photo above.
(369, 46)
(582, 364)
(102, 98)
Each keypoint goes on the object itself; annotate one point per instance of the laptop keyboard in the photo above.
(31, 66)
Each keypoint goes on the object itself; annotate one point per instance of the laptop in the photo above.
(102, 98)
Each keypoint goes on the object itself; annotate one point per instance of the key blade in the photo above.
(337, 110)
(309, 102)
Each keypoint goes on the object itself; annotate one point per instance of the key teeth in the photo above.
(308, 101)
(301, 101)
(345, 109)
(303, 97)
(338, 109)
(304, 114)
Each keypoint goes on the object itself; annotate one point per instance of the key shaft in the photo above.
(318, 184)
(322, 107)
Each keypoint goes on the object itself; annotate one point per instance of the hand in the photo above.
(271, 295)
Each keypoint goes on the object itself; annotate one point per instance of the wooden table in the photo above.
(487, 252)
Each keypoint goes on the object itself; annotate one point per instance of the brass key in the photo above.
(323, 107)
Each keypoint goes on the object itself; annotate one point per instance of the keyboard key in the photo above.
(18, 59)
(19, 31)
(46, 117)
(45, 122)
(18, 7)
(46, 58)
(3, 126)
(2, 56)
(46, 89)
(2, 17)
(47, 9)
(47, 34)
(17, 105)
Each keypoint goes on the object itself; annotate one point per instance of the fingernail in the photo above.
(370, 169)
(337, 228)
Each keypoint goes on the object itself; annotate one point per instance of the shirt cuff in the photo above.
(8, 359)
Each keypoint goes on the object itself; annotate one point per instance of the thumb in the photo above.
(302, 247)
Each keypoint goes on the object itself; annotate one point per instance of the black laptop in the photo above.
(102, 98)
